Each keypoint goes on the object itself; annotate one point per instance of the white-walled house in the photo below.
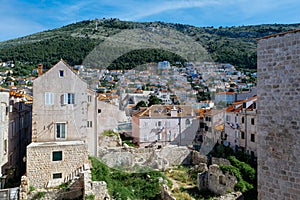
(240, 126)
(164, 124)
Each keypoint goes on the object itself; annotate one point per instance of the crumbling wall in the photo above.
(216, 181)
(128, 157)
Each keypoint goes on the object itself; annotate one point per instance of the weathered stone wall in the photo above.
(40, 167)
(279, 117)
(220, 161)
(218, 182)
(156, 158)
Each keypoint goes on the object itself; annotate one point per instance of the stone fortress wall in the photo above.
(278, 116)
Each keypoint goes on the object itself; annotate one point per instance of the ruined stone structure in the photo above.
(216, 181)
(278, 116)
(130, 157)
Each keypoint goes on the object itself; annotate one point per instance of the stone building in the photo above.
(216, 181)
(211, 128)
(4, 122)
(19, 134)
(278, 116)
(240, 126)
(64, 126)
(164, 124)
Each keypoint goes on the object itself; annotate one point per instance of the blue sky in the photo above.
(22, 17)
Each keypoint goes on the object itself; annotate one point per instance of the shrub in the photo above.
(125, 185)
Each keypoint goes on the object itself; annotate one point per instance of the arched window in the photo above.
(187, 122)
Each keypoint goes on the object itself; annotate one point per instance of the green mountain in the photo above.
(75, 42)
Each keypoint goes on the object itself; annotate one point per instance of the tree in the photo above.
(140, 104)
(154, 100)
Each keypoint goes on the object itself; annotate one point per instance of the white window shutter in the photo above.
(65, 99)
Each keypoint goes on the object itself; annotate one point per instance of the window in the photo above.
(235, 119)
(252, 121)
(252, 138)
(187, 122)
(169, 136)
(243, 120)
(236, 134)
(159, 123)
(57, 175)
(56, 155)
(49, 98)
(3, 111)
(89, 124)
(146, 124)
(227, 118)
(158, 137)
(242, 135)
(68, 98)
(207, 119)
(89, 98)
(61, 73)
(5, 146)
(61, 130)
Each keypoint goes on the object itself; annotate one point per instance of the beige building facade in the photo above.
(240, 126)
(64, 126)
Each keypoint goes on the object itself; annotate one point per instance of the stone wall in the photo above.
(218, 182)
(41, 167)
(278, 116)
(152, 157)
(220, 161)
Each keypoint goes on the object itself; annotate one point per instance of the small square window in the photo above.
(57, 175)
(56, 155)
(61, 73)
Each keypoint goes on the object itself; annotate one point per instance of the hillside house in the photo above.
(64, 126)
(164, 124)
(240, 126)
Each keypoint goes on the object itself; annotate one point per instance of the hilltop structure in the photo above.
(278, 116)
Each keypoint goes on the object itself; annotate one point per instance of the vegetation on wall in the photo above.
(125, 185)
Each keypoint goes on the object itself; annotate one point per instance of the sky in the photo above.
(23, 17)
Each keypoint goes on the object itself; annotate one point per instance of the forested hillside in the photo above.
(235, 45)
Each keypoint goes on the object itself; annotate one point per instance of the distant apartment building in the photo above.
(240, 126)
(164, 124)
(163, 65)
(230, 97)
(64, 127)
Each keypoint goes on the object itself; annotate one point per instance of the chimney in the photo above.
(40, 69)
(174, 112)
